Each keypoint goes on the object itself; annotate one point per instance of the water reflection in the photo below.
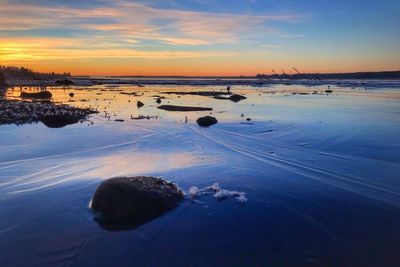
(119, 102)
(320, 171)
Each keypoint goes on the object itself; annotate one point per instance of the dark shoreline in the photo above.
(142, 82)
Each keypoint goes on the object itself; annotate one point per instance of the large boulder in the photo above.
(134, 199)
(206, 121)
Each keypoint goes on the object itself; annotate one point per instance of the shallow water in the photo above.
(320, 171)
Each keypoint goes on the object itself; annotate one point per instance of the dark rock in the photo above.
(248, 119)
(71, 94)
(119, 120)
(200, 93)
(37, 95)
(158, 101)
(206, 121)
(237, 98)
(134, 199)
(139, 104)
(58, 121)
(234, 97)
(183, 108)
(329, 91)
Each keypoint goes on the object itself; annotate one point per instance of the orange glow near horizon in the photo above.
(73, 55)
(173, 68)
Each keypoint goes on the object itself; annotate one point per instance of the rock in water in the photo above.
(58, 121)
(134, 199)
(37, 95)
(182, 108)
(206, 121)
(139, 104)
(237, 98)
(234, 97)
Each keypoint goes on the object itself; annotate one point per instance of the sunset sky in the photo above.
(200, 37)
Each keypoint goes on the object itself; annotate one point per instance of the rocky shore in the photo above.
(52, 115)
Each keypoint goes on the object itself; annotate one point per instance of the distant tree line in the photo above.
(2, 81)
(15, 73)
(354, 75)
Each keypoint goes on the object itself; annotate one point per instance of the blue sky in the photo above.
(200, 37)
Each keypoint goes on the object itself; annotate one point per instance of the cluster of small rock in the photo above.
(21, 112)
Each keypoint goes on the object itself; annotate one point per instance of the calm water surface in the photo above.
(321, 173)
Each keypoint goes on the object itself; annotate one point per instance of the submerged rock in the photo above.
(183, 108)
(37, 95)
(234, 97)
(134, 199)
(237, 98)
(206, 121)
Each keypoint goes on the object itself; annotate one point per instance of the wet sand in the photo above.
(320, 172)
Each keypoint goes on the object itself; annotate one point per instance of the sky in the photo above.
(200, 37)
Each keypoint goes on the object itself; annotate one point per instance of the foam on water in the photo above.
(218, 193)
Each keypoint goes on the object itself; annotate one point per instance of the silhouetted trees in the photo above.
(12, 72)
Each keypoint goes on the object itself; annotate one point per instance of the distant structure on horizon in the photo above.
(379, 75)
(21, 73)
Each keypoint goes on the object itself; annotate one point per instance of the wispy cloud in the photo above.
(64, 49)
(137, 19)
(123, 29)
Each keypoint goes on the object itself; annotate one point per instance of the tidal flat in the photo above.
(319, 170)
